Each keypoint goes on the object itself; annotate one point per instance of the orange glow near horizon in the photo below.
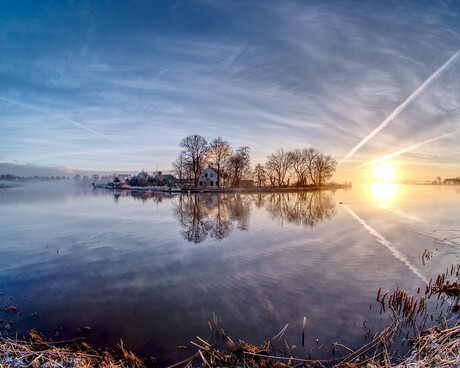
(383, 187)
(384, 192)
(384, 173)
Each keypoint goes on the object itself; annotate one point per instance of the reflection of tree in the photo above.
(239, 211)
(301, 208)
(213, 215)
(192, 216)
(222, 227)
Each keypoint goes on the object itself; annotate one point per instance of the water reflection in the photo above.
(384, 192)
(206, 215)
(142, 196)
(209, 215)
(303, 208)
(127, 271)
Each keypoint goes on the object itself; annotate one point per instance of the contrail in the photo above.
(64, 118)
(381, 239)
(402, 106)
(397, 153)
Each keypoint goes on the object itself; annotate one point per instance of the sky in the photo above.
(116, 85)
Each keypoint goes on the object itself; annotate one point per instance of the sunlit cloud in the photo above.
(407, 149)
(403, 105)
(266, 75)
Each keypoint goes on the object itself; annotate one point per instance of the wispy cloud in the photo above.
(269, 75)
(408, 149)
(403, 105)
(63, 118)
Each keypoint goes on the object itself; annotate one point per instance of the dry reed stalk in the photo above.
(39, 353)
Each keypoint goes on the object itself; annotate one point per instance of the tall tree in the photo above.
(218, 154)
(194, 153)
(238, 164)
(310, 155)
(299, 166)
(178, 167)
(325, 166)
(182, 168)
(279, 164)
(260, 175)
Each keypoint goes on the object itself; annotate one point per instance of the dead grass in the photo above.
(35, 351)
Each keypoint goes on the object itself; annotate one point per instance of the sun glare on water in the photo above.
(383, 188)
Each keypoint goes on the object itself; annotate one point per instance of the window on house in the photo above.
(211, 175)
(205, 175)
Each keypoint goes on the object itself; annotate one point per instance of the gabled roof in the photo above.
(221, 173)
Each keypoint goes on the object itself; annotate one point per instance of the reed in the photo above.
(35, 351)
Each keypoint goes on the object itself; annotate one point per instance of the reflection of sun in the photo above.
(385, 173)
(384, 191)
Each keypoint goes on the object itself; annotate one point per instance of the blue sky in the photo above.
(115, 85)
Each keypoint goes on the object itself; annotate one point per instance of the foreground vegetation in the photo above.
(435, 346)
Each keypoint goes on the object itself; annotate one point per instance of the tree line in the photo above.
(300, 167)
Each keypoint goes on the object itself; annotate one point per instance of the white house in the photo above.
(208, 178)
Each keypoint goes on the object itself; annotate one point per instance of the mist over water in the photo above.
(152, 268)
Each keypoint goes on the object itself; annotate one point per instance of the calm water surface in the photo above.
(152, 269)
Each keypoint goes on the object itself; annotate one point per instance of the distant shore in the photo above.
(230, 190)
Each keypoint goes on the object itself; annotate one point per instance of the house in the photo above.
(452, 181)
(169, 179)
(123, 177)
(165, 179)
(142, 178)
(209, 177)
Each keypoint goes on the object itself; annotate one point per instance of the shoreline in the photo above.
(332, 187)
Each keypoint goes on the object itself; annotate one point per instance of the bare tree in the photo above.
(325, 166)
(260, 175)
(218, 153)
(299, 165)
(279, 164)
(194, 153)
(238, 164)
(182, 168)
(179, 167)
(310, 155)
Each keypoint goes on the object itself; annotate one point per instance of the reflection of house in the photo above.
(208, 178)
(453, 181)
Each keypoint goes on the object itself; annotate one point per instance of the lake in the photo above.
(152, 269)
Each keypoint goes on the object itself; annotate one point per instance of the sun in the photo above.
(384, 173)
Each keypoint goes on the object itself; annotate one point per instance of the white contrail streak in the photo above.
(381, 239)
(407, 149)
(64, 118)
(402, 106)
